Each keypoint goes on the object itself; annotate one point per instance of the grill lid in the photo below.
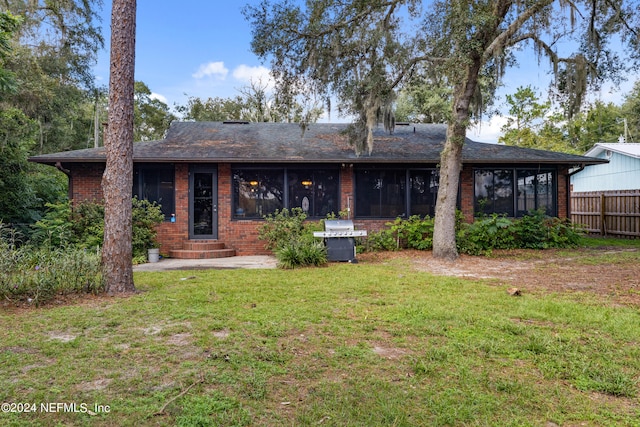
(338, 225)
(339, 228)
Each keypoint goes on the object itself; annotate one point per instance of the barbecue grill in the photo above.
(339, 237)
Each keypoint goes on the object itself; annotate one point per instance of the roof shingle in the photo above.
(320, 143)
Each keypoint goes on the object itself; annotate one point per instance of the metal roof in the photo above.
(630, 149)
(319, 143)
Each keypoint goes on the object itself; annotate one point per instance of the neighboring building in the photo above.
(622, 172)
(605, 198)
(218, 180)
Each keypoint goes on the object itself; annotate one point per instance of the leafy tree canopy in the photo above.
(363, 51)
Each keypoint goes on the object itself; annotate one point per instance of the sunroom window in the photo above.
(314, 191)
(257, 192)
(156, 183)
(261, 191)
(514, 192)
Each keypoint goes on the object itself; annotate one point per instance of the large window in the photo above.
(156, 183)
(391, 193)
(381, 193)
(424, 192)
(535, 191)
(314, 191)
(257, 192)
(261, 191)
(494, 191)
(514, 192)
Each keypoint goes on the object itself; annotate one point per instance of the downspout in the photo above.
(70, 182)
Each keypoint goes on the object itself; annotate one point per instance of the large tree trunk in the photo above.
(117, 181)
(444, 230)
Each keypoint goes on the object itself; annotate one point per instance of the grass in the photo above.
(349, 344)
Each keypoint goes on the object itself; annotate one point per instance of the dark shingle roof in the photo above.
(320, 143)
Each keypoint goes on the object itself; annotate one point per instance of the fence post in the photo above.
(603, 228)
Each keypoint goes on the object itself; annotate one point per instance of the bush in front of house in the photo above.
(83, 226)
(533, 231)
(290, 237)
(36, 274)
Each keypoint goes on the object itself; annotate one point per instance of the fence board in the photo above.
(608, 213)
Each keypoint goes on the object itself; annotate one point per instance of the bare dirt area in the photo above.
(608, 272)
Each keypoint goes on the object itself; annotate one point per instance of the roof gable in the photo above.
(627, 149)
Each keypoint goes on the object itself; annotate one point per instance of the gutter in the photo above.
(580, 169)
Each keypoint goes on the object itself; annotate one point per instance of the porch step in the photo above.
(202, 249)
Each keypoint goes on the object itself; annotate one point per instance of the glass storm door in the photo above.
(203, 203)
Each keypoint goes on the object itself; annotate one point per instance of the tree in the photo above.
(8, 26)
(117, 181)
(423, 101)
(526, 115)
(151, 116)
(256, 103)
(599, 122)
(212, 109)
(17, 199)
(358, 51)
(630, 111)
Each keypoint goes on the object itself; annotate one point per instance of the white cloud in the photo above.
(159, 97)
(212, 69)
(487, 131)
(248, 74)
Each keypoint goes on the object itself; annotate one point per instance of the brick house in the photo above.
(216, 181)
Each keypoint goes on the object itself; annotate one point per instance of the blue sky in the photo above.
(202, 48)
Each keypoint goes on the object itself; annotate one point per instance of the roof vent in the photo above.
(235, 122)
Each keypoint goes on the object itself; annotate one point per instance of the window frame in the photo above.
(286, 171)
(140, 174)
(516, 172)
(409, 173)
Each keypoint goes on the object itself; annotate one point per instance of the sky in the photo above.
(195, 48)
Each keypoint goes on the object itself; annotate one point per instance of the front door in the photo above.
(203, 202)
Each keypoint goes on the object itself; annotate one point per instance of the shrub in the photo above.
(146, 216)
(414, 232)
(83, 227)
(291, 239)
(37, 274)
(383, 240)
(301, 254)
(487, 233)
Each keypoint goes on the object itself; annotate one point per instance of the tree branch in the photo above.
(502, 40)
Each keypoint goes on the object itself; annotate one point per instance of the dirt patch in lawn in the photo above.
(611, 273)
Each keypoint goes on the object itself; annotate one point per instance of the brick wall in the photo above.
(242, 235)
(563, 194)
(466, 193)
(86, 183)
(172, 234)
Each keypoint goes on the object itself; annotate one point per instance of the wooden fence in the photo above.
(608, 213)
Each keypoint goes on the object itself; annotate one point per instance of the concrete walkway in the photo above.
(254, 261)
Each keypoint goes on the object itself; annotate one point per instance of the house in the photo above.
(622, 172)
(216, 181)
(605, 198)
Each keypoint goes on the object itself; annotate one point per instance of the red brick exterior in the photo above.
(242, 235)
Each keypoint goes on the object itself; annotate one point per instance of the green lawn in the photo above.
(367, 344)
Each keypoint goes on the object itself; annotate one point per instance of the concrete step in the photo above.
(202, 245)
(201, 254)
(202, 249)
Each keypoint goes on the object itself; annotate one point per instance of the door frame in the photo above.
(203, 169)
